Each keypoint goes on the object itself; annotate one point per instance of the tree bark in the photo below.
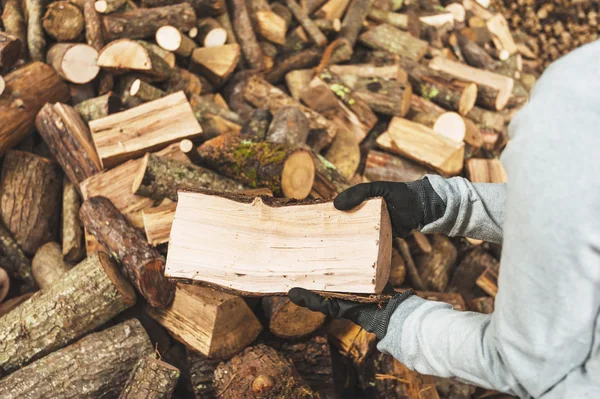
(27, 90)
(245, 34)
(150, 379)
(11, 49)
(302, 59)
(48, 265)
(468, 271)
(14, 22)
(386, 37)
(103, 361)
(69, 140)
(99, 107)
(289, 127)
(10, 304)
(31, 188)
(328, 181)
(289, 321)
(435, 267)
(308, 24)
(92, 293)
(351, 27)
(260, 372)
(255, 128)
(159, 178)
(384, 96)
(143, 265)
(35, 34)
(381, 166)
(73, 249)
(63, 21)
(17, 264)
(201, 374)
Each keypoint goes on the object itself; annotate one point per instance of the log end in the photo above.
(119, 281)
(467, 99)
(168, 37)
(451, 125)
(298, 175)
(156, 288)
(383, 265)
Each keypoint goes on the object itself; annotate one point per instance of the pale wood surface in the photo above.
(148, 127)
(158, 221)
(486, 171)
(261, 249)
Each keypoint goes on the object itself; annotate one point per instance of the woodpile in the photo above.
(128, 127)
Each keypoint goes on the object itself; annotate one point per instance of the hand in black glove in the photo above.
(411, 205)
(372, 317)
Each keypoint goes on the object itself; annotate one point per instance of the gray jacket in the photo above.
(543, 340)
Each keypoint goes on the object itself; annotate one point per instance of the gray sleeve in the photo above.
(474, 210)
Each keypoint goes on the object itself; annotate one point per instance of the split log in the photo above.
(301, 59)
(63, 21)
(166, 55)
(351, 73)
(246, 35)
(256, 126)
(487, 120)
(74, 62)
(31, 188)
(35, 33)
(309, 26)
(159, 178)
(486, 171)
(501, 35)
(208, 104)
(142, 264)
(411, 268)
(150, 379)
(238, 272)
(73, 249)
(475, 55)
(217, 63)
(468, 270)
(328, 181)
(11, 49)
(48, 265)
(10, 304)
(210, 33)
(386, 37)
(381, 166)
(268, 23)
(158, 221)
(68, 138)
(14, 22)
(351, 27)
(144, 92)
(214, 323)
(261, 94)
(488, 281)
(16, 263)
(289, 127)
(144, 22)
(297, 81)
(148, 127)
(86, 297)
(344, 153)
(397, 269)
(435, 267)
(289, 321)
(131, 56)
(103, 361)
(448, 124)
(28, 89)
(423, 145)
(201, 371)
(332, 9)
(191, 84)
(99, 107)
(384, 96)
(351, 340)
(259, 372)
(109, 6)
(170, 38)
(285, 170)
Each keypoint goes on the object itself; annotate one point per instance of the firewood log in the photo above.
(31, 188)
(302, 59)
(487, 120)
(214, 323)
(289, 321)
(167, 56)
(14, 21)
(255, 128)
(332, 9)
(351, 27)
(10, 304)
(144, 92)
(290, 127)
(73, 249)
(68, 138)
(448, 124)
(11, 49)
(29, 87)
(81, 93)
(63, 21)
(486, 171)
(344, 153)
(99, 107)
(207, 104)
(4, 285)
(259, 372)
(351, 340)
(285, 170)
(15, 262)
(158, 221)
(150, 378)
(381, 166)
(35, 33)
(245, 34)
(297, 81)
(372, 243)
(182, 79)
(103, 361)
(172, 39)
(210, 33)
(86, 297)
(144, 22)
(483, 304)
(109, 6)
(435, 267)
(384, 96)
(475, 55)
(150, 126)
(411, 269)
(309, 26)
(268, 24)
(48, 265)
(410, 139)
(131, 56)
(488, 281)
(397, 269)
(74, 62)
(201, 371)
(160, 178)
(217, 63)
(328, 181)
(395, 41)
(142, 264)
(468, 271)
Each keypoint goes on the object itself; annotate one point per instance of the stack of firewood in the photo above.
(109, 107)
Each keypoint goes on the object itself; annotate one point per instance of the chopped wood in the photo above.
(15, 262)
(214, 323)
(142, 264)
(328, 181)
(35, 33)
(483, 304)
(309, 26)
(475, 55)
(217, 63)
(73, 249)
(31, 188)
(290, 321)
(201, 371)
(387, 167)
(411, 268)
(210, 33)
(158, 221)
(422, 144)
(240, 273)
(468, 271)
(170, 38)
(148, 127)
(63, 21)
(182, 79)
(388, 38)
(245, 34)
(301, 59)
(488, 281)
(11, 49)
(145, 91)
(486, 171)
(297, 81)
(262, 372)
(159, 178)
(351, 340)
(384, 96)
(397, 269)
(99, 107)
(256, 126)
(344, 153)
(48, 265)
(85, 298)
(144, 22)
(395, 19)
(151, 378)
(2, 85)
(393, 72)
(74, 62)
(487, 120)
(131, 56)
(108, 6)
(270, 25)
(501, 36)
(14, 22)
(29, 88)
(10, 304)
(289, 126)
(332, 9)
(103, 361)
(166, 55)
(435, 267)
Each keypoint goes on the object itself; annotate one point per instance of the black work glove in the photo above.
(373, 317)
(411, 205)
